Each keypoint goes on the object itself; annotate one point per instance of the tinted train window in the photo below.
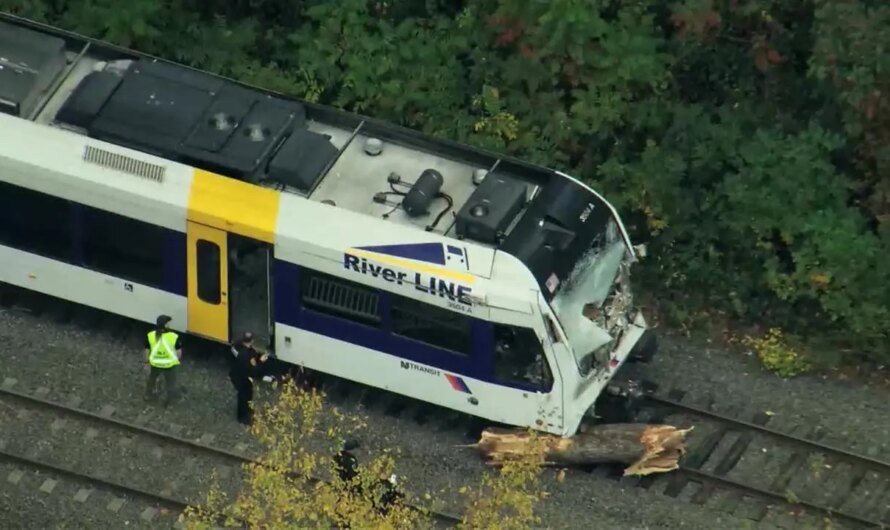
(208, 271)
(519, 357)
(340, 298)
(35, 222)
(123, 247)
(432, 324)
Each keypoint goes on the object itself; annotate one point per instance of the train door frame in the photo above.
(250, 281)
(208, 316)
(552, 340)
(551, 404)
(270, 271)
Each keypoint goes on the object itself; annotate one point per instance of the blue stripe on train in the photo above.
(288, 310)
(478, 365)
(175, 263)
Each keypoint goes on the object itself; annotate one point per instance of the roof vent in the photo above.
(222, 121)
(119, 162)
(479, 175)
(373, 146)
(256, 132)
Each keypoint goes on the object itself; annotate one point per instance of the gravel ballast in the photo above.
(847, 414)
(99, 370)
(112, 454)
(69, 505)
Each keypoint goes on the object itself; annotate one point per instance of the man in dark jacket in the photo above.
(246, 367)
(386, 494)
(383, 493)
(345, 462)
(346, 467)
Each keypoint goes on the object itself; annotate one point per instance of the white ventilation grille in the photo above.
(123, 163)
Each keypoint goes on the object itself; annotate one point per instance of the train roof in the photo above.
(327, 156)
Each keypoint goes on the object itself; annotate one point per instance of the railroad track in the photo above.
(709, 471)
(116, 453)
(762, 466)
(743, 465)
(151, 507)
(155, 470)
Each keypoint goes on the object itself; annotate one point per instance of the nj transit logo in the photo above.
(437, 269)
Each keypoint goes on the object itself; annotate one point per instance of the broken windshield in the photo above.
(587, 288)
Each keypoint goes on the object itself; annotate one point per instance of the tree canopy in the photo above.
(746, 141)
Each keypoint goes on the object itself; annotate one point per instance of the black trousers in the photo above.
(169, 376)
(245, 396)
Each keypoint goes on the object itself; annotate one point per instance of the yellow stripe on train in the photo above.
(234, 206)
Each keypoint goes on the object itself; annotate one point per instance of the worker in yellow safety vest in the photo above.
(164, 351)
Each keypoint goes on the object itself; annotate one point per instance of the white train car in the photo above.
(354, 247)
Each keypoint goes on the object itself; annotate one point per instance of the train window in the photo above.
(123, 247)
(340, 298)
(208, 271)
(35, 222)
(432, 324)
(519, 358)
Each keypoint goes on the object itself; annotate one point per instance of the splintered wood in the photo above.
(646, 448)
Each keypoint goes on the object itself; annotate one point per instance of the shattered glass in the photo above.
(592, 326)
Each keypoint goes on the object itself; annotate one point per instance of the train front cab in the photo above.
(528, 385)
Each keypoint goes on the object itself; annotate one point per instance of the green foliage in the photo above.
(777, 355)
(298, 435)
(849, 55)
(506, 500)
(748, 142)
(295, 484)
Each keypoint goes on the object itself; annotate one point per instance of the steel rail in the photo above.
(698, 474)
(835, 451)
(170, 438)
(90, 479)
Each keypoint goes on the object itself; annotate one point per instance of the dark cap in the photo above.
(163, 320)
(350, 445)
(247, 337)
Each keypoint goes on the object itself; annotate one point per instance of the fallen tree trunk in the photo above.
(646, 448)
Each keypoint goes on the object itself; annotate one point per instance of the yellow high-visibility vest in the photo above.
(162, 352)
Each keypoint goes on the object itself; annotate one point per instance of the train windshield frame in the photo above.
(585, 293)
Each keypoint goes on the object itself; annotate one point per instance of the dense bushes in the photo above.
(747, 141)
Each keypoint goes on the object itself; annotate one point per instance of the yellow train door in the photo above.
(208, 282)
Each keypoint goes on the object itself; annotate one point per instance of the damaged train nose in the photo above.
(597, 307)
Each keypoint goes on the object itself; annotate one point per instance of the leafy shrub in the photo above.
(776, 355)
(298, 436)
(506, 500)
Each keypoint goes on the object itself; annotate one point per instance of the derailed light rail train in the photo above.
(352, 247)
